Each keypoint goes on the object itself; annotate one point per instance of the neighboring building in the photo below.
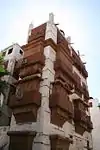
(95, 113)
(11, 54)
(51, 102)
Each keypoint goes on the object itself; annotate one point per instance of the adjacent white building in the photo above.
(95, 116)
(11, 54)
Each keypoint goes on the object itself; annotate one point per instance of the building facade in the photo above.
(95, 112)
(11, 55)
(50, 100)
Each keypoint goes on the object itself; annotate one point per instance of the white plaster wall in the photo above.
(41, 141)
(15, 53)
(12, 58)
(68, 129)
(88, 136)
(80, 142)
(95, 116)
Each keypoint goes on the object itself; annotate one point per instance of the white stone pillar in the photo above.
(42, 142)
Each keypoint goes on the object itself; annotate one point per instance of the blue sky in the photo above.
(78, 18)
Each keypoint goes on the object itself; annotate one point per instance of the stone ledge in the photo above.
(60, 142)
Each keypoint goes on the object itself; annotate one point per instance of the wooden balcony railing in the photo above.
(59, 65)
(85, 91)
(60, 97)
(78, 89)
(80, 115)
(82, 118)
(60, 105)
(78, 63)
(30, 70)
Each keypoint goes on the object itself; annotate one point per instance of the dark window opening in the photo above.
(21, 52)
(88, 145)
(10, 51)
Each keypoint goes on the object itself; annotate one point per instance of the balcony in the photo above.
(63, 77)
(62, 42)
(25, 106)
(78, 90)
(77, 86)
(67, 70)
(78, 63)
(80, 116)
(82, 119)
(30, 83)
(85, 92)
(30, 70)
(26, 100)
(37, 57)
(61, 106)
(21, 140)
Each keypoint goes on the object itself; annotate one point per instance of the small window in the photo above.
(21, 52)
(10, 51)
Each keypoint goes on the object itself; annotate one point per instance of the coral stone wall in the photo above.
(51, 96)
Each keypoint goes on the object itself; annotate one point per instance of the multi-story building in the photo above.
(11, 54)
(95, 112)
(50, 101)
